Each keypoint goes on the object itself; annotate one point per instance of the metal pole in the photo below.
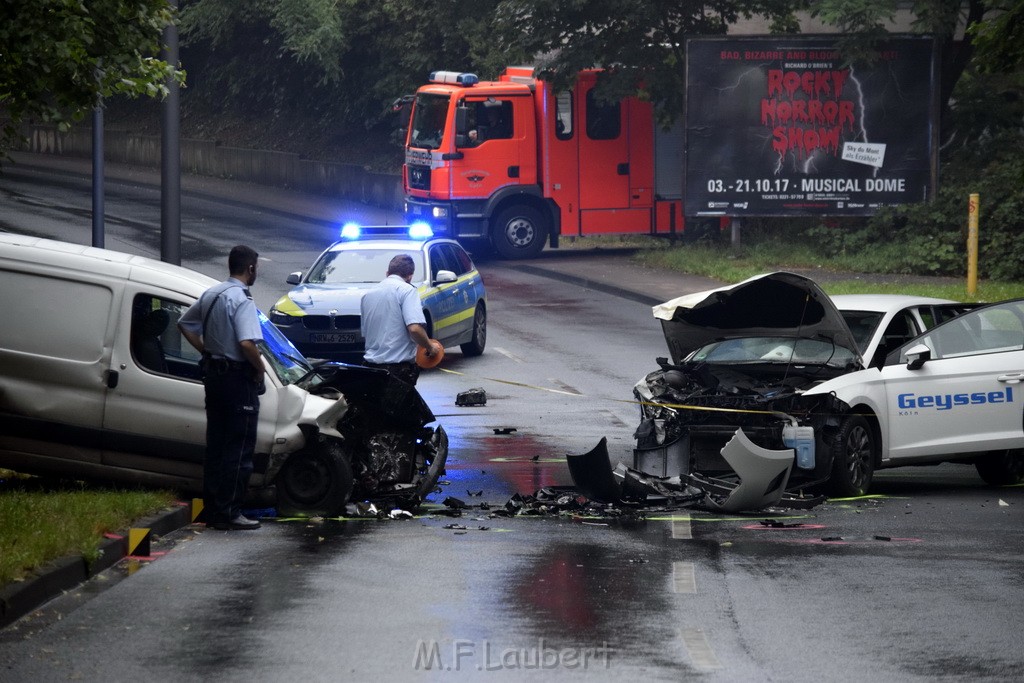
(735, 237)
(973, 209)
(97, 176)
(170, 156)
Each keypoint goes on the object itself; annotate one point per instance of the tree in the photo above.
(58, 58)
(638, 43)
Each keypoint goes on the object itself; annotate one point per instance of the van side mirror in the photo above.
(917, 355)
(294, 278)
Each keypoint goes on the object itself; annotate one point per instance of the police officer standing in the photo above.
(224, 327)
(392, 322)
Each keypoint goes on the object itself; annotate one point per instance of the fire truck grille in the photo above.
(419, 177)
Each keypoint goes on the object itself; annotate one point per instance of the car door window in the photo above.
(438, 261)
(993, 329)
(456, 259)
(157, 344)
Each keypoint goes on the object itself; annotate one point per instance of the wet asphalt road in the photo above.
(923, 581)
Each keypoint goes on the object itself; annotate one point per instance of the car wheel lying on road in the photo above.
(1001, 468)
(317, 481)
(854, 450)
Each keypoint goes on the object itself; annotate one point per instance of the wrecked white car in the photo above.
(96, 382)
(765, 394)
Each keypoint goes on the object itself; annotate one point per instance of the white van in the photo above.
(96, 382)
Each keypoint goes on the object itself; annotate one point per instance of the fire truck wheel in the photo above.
(518, 232)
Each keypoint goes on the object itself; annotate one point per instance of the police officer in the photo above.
(392, 322)
(224, 327)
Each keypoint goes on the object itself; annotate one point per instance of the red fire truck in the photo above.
(520, 164)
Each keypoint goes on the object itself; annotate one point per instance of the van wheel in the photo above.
(518, 232)
(853, 465)
(315, 482)
(475, 346)
(1001, 468)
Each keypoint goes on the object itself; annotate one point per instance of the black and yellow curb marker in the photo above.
(138, 542)
(197, 509)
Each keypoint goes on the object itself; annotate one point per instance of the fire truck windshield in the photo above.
(428, 117)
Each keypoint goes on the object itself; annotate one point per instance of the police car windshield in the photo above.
(359, 266)
(288, 363)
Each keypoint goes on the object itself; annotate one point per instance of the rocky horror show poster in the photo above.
(783, 126)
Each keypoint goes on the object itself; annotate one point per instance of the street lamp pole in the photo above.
(170, 155)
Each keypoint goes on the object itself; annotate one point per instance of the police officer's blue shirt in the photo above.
(386, 312)
(233, 319)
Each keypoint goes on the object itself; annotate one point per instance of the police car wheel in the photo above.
(853, 449)
(316, 481)
(475, 346)
(1001, 468)
(519, 232)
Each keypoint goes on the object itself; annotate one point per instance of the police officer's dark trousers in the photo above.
(232, 412)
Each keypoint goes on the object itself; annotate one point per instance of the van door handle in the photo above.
(112, 377)
(1012, 378)
(622, 169)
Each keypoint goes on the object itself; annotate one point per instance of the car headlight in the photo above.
(279, 318)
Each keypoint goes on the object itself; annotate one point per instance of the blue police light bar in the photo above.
(420, 231)
(453, 78)
(350, 231)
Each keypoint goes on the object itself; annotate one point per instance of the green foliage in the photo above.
(338, 62)
(59, 57)
(39, 524)
(635, 41)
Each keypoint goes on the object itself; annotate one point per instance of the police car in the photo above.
(320, 315)
(770, 364)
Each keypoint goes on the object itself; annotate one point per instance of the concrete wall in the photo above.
(201, 157)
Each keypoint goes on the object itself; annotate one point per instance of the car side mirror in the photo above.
(294, 278)
(917, 355)
(444, 276)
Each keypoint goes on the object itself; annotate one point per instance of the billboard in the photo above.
(783, 126)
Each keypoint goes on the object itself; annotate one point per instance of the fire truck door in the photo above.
(603, 153)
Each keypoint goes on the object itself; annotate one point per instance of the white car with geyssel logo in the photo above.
(769, 364)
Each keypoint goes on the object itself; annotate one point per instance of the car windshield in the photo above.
(428, 120)
(358, 266)
(773, 350)
(288, 363)
(862, 324)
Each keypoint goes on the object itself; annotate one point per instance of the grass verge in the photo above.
(41, 522)
(721, 263)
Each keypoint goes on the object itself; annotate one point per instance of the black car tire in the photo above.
(519, 232)
(475, 346)
(1001, 468)
(854, 452)
(315, 482)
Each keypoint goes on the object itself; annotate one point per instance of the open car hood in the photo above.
(774, 304)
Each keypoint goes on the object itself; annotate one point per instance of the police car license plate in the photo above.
(333, 338)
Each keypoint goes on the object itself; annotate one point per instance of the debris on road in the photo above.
(471, 397)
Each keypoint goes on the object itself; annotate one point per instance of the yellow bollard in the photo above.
(973, 209)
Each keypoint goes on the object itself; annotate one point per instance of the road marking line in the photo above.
(699, 649)
(682, 529)
(509, 355)
(684, 577)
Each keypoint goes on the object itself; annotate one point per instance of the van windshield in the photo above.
(288, 362)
